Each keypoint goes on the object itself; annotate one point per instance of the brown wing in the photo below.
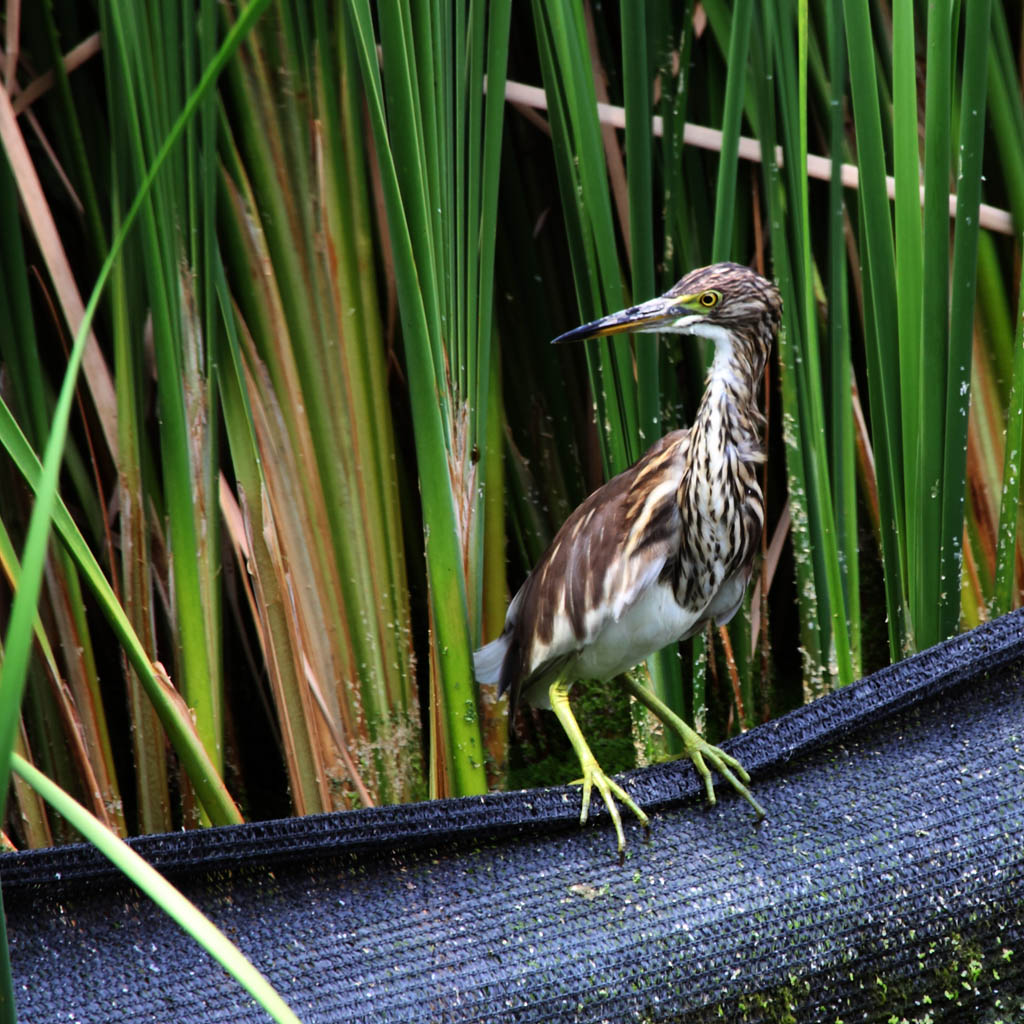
(614, 545)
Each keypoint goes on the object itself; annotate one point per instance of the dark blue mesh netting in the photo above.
(887, 884)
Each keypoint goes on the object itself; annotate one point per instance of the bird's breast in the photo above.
(722, 519)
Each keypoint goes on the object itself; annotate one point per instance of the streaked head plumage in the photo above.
(726, 294)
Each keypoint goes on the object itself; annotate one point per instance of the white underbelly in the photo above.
(652, 622)
(646, 626)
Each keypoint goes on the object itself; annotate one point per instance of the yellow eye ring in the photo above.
(709, 299)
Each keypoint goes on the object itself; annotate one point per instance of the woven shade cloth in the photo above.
(886, 884)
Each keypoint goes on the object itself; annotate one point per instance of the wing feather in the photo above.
(609, 552)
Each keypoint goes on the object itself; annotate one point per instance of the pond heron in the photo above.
(663, 548)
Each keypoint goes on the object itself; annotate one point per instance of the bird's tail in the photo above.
(488, 660)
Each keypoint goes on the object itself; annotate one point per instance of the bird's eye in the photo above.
(709, 299)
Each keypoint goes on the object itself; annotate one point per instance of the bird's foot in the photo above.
(702, 753)
(698, 750)
(610, 790)
(593, 775)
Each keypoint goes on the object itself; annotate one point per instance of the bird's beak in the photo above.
(654, 315)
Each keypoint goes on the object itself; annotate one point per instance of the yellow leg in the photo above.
(592, 773)
(697, 749)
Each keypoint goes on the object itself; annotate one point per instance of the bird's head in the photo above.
(717, 302)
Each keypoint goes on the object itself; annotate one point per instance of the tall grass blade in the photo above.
(923, 506)
(1007, 589)
(17, 646)
(442, 264)
(146, 94)
(881, 319)
(974, 88)
(173, 713)
(828, 657)
(138, 582)
(735, 92)
(580, 164)
(820, 470)
(839, 357)
(309, 423)
(1006, 110)
(154, 885)
(910, 283)
(28, 387)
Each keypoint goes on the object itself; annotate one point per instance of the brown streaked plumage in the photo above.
(662, 548)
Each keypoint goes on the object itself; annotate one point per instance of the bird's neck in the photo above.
(720, 496)
(729, 408)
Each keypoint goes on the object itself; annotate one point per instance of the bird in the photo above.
(661, 549)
